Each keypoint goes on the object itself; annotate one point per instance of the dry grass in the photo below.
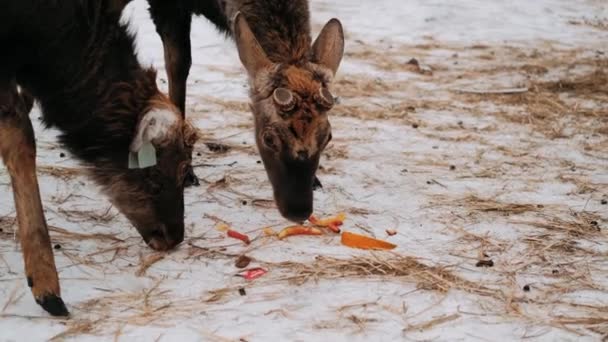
(410, 269)
(474, 203)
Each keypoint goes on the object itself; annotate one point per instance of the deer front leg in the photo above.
(18, 150)
(173, 21)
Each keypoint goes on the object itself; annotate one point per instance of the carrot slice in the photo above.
(298, 230)
(333, 223)
(364, 242)
(236, 235)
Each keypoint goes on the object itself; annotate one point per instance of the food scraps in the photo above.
(333, 223)
(242, 261)
(239, 236)
(364, 242)
(298, 230)
(253, 273)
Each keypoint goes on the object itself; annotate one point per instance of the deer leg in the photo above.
(173, 23)
(18, 150)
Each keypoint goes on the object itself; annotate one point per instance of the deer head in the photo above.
(149, 190)
(291, 104)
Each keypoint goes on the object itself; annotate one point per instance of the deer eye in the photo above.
(270, 140)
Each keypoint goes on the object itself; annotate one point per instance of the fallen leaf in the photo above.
(364, 242)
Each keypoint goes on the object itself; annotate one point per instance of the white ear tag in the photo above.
(145, 157)
(133, 163)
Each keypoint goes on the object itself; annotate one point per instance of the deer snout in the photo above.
(165, 237)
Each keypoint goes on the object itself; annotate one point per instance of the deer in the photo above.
(289, 76)
(78, 62)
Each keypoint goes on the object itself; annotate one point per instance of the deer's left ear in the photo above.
(251, 53)
(328, 49)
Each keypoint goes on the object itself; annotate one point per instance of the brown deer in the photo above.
(78, 61)
(289, 76)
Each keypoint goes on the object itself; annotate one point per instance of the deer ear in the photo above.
(251, 53)
(156, 127)
(328, 49)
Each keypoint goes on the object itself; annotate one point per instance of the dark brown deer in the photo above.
(75, 58)
(289, 76)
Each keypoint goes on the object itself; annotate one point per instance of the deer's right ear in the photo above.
(251, 53)
(156, 127)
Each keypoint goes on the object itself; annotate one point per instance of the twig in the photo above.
(506, 91)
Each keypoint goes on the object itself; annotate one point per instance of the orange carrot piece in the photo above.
(334, 228)
(236, 235)
(364, 242)
(333, 223)
(298, 230)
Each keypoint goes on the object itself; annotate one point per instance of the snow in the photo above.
(381, 171)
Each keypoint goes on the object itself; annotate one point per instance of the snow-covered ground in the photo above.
(494, 146)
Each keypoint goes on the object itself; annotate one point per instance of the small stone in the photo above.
(555, 272)
(57, 246)
(259, 162)
(526, 288)
(415, 125)
(429, 182)
(391, 232)
(61, 155)
(604, 202)
(244, 202)
(594, 223)
(242, 292)
(452, 167)
(485, 263)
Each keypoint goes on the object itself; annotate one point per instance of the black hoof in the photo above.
(53, 305)
(316, 184)
(191, 178)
